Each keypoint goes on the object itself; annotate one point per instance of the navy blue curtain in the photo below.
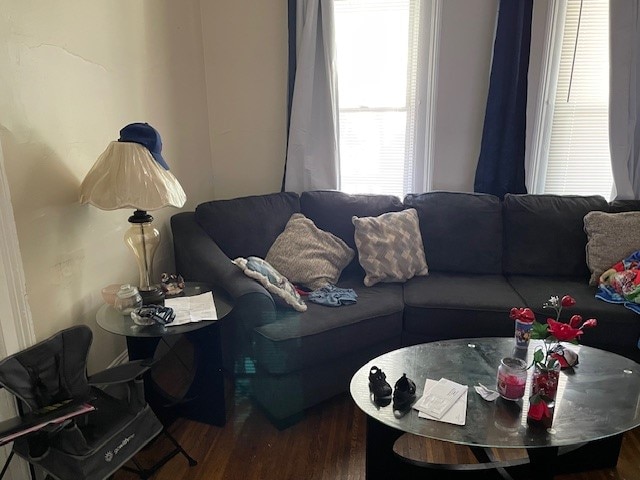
(293, 8)
(500, 167)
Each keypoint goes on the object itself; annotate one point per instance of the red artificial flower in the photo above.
(592, 322)
(561, 360)
(567, 301)
(539, 410)
(523, 314)
(575, 321)
(563, 331)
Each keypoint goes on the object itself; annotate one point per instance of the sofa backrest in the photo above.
(544, 234)
(618, 206)
(248, 225)
(332, 211)
(461, 232)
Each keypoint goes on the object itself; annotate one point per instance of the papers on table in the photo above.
(445, 401)
(192, 309)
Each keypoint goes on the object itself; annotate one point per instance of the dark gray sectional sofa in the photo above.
(485, 256)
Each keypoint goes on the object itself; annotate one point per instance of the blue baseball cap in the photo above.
(147, 136)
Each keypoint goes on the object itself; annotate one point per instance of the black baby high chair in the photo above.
(49, 378)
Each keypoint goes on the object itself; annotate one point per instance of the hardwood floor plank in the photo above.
(327, 444)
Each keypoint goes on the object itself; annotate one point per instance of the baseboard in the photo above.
(120, 359)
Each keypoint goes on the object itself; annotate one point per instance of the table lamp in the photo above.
(131, 173)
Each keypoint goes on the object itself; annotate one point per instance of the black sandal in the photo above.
(404, 394)
(379, 387)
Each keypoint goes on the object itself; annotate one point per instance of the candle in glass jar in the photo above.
(512, 378)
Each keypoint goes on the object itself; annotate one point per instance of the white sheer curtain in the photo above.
(313, 159)
(624, 104)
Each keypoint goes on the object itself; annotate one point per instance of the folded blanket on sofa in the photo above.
(621, 283)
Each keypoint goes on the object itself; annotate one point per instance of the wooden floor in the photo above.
(327, 444)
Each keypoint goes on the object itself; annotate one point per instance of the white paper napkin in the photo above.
(486, 393)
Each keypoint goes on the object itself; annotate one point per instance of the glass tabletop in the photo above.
(600, 398)
(113, 321)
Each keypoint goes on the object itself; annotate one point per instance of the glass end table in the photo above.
(186, 379)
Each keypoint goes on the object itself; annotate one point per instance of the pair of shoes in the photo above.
(404, 394)
(379, 387)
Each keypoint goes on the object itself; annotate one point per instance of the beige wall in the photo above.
(245, 58)
(72, 73)
(211, 76)
(245, 50)
(466, 44)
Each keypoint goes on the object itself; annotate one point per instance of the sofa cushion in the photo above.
(296, 341)
(544, 234)
(276, 284)
(390, 247)
(282, 395)
(611, 237)
(462, 232)
(332, 211)
(307, 255)
(247, 226)
(455, 305)
(618, 328)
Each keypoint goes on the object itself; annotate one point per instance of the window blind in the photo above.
(579, 161)
(377, 52)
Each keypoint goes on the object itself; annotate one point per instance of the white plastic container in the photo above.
(127, 299)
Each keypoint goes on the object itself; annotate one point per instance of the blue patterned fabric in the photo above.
(332, 296)
(613, 291)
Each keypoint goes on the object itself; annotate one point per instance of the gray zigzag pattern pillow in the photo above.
(390, 247)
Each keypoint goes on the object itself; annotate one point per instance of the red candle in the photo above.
(512, 378)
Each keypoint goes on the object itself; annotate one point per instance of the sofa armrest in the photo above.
(198, 258)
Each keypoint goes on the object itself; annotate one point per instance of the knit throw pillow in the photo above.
(611, 237)
(307, 255)
(390, 247)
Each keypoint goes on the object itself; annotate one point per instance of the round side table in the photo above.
(186, 379)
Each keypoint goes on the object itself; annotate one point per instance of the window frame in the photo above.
(425, 98)
(543, 108)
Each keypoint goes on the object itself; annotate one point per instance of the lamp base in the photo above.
(152, 295)
(143, 239)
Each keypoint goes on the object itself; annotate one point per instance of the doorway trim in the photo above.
(16, 323)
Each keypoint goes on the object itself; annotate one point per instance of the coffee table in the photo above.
(596, 403)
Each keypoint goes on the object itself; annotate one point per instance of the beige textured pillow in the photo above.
(611, 237)
(390, 247)
(307, 255)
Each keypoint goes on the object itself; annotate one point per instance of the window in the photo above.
(571, 144)
(382, 102)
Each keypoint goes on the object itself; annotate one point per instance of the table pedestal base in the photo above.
(204, 400)
(543, 463)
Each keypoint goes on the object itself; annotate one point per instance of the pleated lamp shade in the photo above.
(127, 176)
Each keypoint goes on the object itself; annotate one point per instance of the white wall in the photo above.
(72, 73)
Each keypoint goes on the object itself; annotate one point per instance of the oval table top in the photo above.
(597, 399)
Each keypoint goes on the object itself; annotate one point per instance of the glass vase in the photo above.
(542, 401)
